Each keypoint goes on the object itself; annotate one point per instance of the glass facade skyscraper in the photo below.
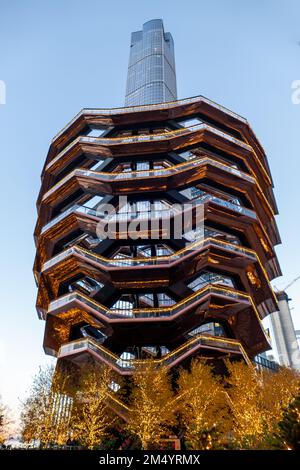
(284, 333)
(151, 71)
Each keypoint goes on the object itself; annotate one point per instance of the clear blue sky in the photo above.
(57, 57)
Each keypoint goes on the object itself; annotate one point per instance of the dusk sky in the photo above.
(58, 57)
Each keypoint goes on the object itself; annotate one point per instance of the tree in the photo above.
(5, 421)
(202, 404)
(245, 403)
(41, 415)
(257, 400)
(289, 426)
(152, 408)
(91, 417)
(278, 391)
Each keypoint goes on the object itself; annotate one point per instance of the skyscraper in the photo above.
(151, 72)
(284, 333)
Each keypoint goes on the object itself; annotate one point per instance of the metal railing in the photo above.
(181, 167)
(147, 138)
(128, 365)
(152, 107)
(71, 210)
(153, 312)
(150, 261)
(151, 214)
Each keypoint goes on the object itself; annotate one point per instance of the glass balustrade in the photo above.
(76, 208)
(113, 176)
(148, 214)
(181, 167)
(152, 107)
(207, 278)
(147, 261)
(152, 312)
(147, 138)
(130, 362)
